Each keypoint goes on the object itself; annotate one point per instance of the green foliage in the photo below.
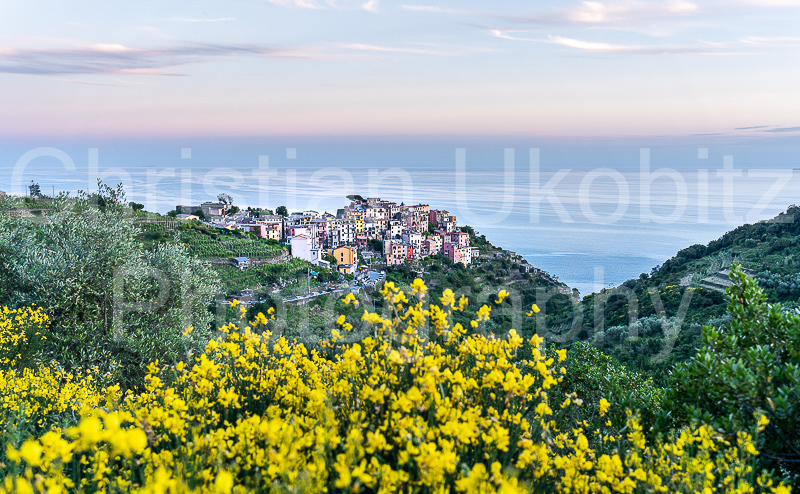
(769, 248)
(282, 211)
(208, 243)
(106, 199)
(595, 376)
(258, 212)
(34, 190)
(114, 304)
(749, 366)
(154, 233)
(324, 274)
(233, 279)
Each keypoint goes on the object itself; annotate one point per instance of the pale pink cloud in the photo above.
(110, 48)
(702, 48)
(104, 58)
(593, 12)
(366, 47)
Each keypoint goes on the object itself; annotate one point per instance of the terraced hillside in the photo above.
(653, 322)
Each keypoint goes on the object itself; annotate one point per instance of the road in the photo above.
(302, 299)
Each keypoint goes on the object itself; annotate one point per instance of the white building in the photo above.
(474, 253)
(303, 248)
(414, 239)
(395, 228)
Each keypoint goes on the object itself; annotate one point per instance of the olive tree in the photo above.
(114, 304)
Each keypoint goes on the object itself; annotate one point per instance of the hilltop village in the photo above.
(401, 233)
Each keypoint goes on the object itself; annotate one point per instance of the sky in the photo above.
(411, 67)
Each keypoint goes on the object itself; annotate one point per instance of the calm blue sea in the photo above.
(593, 212)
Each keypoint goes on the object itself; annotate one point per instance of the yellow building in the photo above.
(274, 231)
(346, 268)
(344, 255)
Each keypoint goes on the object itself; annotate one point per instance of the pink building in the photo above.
(395, 252)
(436, 216)
(433, 245)
(452, 251)
(258, 229)
(460, 238)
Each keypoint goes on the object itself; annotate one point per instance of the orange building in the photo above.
(344, 255)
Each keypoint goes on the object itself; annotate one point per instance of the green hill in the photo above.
(769, 249)
(643, 323)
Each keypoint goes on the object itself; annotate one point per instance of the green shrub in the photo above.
(594, 376)
(747, 367)
(114, 304)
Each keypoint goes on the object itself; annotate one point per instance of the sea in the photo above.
(593, 212)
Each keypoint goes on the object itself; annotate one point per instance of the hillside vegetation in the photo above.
(655, 321)
(114, 303)
(421, 386)
(219, 245)
(400, 401)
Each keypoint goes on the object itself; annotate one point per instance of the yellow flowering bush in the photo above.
(35, 403)
(20, 331)
(401, 401)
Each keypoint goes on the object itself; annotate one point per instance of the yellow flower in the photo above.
(371, 317)
(395, 358)
(418, 286)
(604, 405)
(448, 298)
(402, 410)
(224, 482)
(762, 422)
(534, 310)
(542, 409)
(388, 288)
(483, 313)
(501, 296)
(31, 452)
(234, 303)
(345, 325)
